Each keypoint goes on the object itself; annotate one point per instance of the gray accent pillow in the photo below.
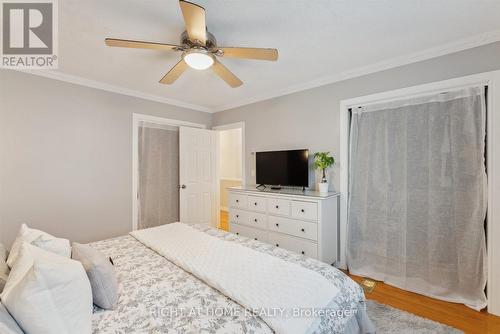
(7, 324)
(101, 274)
(4, 269)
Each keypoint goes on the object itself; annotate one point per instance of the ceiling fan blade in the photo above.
(250, 53)
(226, 75)
(174, 73)
(125, 43)
(194, 19)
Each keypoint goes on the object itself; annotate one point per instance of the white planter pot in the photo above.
(323, 188)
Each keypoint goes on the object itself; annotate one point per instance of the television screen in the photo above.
(284, 168)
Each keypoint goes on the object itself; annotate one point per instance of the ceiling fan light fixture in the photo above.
(199, 59)
(199, 48)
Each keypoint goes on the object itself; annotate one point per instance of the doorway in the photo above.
(231, 165)
(489, 79)
(163, 159)
(158, 174)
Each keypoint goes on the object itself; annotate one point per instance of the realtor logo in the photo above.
(29, 34)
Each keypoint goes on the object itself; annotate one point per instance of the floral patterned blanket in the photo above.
(156, 296)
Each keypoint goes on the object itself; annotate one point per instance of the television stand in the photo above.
(302, 222)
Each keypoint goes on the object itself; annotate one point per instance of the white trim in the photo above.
(345, 124)
(492, 79)
(216, 223)
(115, 89)
(165, 121)
(493, 153)
(460, 45)
(231, 179)
(136, 118)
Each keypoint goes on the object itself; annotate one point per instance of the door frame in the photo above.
(136, 119)
(490, 79)
(230, 126)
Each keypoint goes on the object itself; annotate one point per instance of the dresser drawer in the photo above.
(248, 232)
(256, 203)
(279, 206)
(237, 201)
(256, 219)
(237, 216)
(297, 228)
(305, 210)
(297, 245)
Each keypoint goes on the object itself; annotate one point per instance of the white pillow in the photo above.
(4, 269)
(7, 324)
(48, 294)
(29, 235)
(58, 246)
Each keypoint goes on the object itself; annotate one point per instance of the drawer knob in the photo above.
(237, 233)
(277, 245)
(255, 238)
(303, 253)
(237, 201)
(302, 210)
(277, 224)
(277, 206)
(255, 220)
(255, 203)
(303, 230)
(237, 216)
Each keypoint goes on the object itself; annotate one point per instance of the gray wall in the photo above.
(66, 156)
(65, 150)
(310, 119)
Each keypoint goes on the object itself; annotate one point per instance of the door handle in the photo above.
(183, 186)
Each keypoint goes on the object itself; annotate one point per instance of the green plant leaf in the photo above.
(323, 160)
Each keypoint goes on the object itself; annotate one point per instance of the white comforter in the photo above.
(279, 291)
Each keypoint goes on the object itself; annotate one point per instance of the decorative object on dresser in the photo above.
(322, 161)
(305, 222)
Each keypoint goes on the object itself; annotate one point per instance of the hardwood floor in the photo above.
(455, 315)
(224, 221)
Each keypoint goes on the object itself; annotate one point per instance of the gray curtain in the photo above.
(158, 175)
(417, 200)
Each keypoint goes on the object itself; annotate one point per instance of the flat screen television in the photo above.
(283, 168)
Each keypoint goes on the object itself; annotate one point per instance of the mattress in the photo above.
(156, 296)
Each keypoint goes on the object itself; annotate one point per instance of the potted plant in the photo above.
(322, 161)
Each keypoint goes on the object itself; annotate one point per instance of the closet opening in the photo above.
(471, 130)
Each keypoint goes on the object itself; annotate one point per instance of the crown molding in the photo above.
(460, 45)
(114, 89)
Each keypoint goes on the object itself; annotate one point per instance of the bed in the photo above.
(157, 296)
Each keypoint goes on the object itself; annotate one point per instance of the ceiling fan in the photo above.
(199, 48)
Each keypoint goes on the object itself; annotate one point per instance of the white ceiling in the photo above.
(319, 41)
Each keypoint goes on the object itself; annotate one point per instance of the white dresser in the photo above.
(305, 222)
